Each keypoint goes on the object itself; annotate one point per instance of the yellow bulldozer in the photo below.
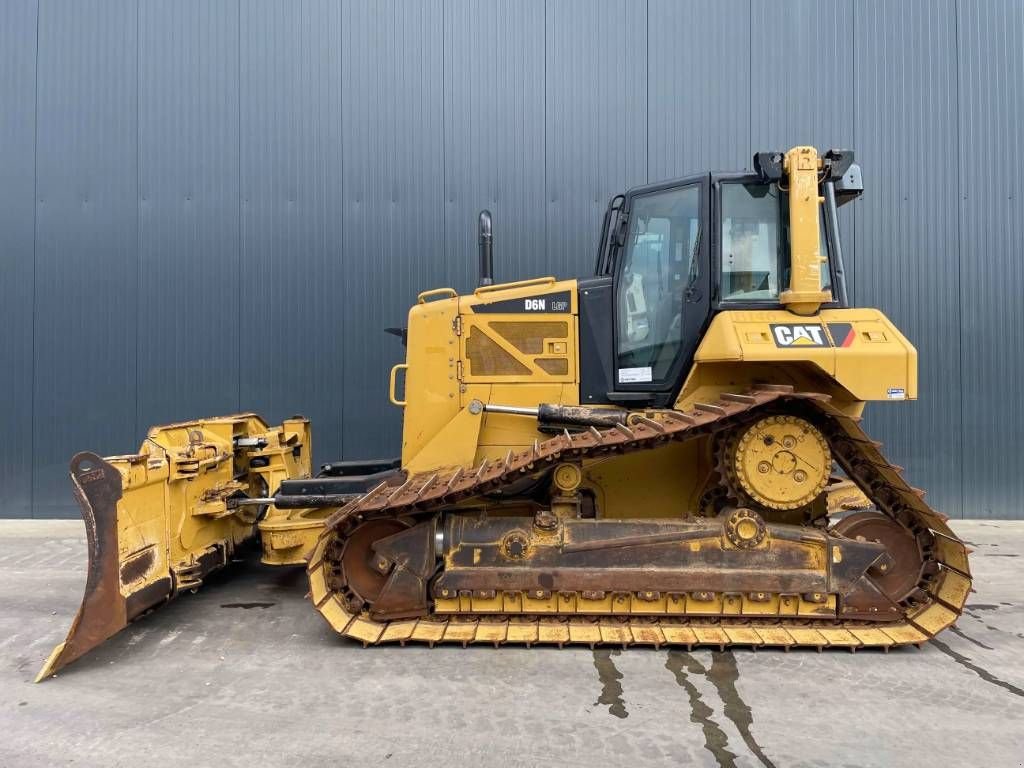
(667, 453)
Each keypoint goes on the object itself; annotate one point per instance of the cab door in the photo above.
(661, 289)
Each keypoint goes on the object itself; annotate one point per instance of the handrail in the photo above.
(518, 284)
(391, 384)
(449, 293)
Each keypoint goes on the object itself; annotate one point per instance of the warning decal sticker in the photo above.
(842, 334)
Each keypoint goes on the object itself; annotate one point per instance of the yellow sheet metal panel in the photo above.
(453, 445)
(859, 349)
(499, 432)
(660, 482)
(431, 380)
(772, 335)
(874, 360)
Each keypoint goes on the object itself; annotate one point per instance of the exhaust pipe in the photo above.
(486, 249)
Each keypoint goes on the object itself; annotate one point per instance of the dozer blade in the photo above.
(158, 522)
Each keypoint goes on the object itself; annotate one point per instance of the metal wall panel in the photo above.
(189, 277)
(219, 205)
(595, 122)
(905, 105)
(494, 137)
(393, 182)
(991, 86)
(86, 282)
(699, 87)
(17, 245)
(792, 103)
(294, 274)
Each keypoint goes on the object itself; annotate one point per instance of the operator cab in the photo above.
(674, 254)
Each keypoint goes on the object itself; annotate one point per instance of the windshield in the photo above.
(755, 243)
(658, 264)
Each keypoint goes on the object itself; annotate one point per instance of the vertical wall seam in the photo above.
(647, 97)
(851, 285)
(35, 246)
(444, 142)
(238, 245)
(342, 198)
(544, 117)
(750, 83)
(136, 437)
(959, 250)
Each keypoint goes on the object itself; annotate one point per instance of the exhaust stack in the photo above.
(486, 241)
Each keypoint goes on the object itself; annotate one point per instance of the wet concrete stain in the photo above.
(984, 606)
(978, 618)
(723, 674)
(611, 688)
(682, 665)
(247, 606)
(959, 633)
(1000, 554)
(981, 672)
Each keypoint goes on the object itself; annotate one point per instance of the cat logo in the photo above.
(800, 336)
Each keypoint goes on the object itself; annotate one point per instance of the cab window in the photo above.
(658, 263)
(755, 243)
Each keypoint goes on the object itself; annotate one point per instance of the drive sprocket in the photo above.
(780, 462)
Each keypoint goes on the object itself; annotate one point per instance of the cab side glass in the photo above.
(755, 243)
(752, 248)
(657, 265)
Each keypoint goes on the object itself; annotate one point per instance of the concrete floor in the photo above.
(246, 673)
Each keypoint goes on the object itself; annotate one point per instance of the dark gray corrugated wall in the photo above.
(209, 206)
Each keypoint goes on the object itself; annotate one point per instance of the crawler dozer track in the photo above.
(637, 616)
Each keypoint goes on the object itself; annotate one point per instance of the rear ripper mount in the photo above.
(400, 564)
